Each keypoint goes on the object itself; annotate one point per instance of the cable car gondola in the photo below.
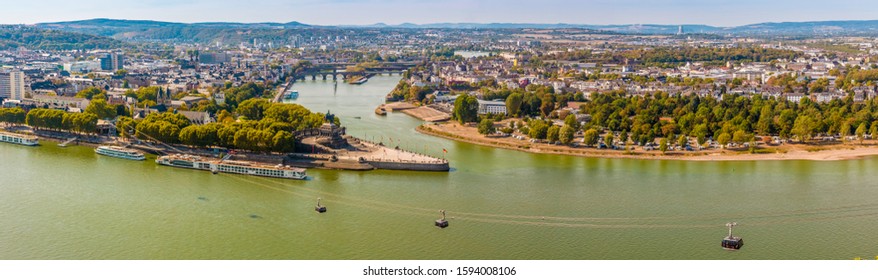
(442, 223)
(319, 208)
(732, 242)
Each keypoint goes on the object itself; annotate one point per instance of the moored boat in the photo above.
(292, 94)
(13, 138)
(232, 166)
(120, 152)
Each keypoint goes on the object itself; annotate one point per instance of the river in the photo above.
(68, 203)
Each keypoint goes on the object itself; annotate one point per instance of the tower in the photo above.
(680, 30)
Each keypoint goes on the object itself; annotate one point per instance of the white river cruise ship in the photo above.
(120, 152)
(18, 139)
(231, 166)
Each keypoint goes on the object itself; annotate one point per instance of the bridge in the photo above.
(335, 70)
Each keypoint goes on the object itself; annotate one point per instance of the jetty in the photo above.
(329, 147)
(68, 142)
(425, 113)
(279, 96)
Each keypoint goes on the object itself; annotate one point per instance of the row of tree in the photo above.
(263, 126)
(733, 116)
(62, 121)
(12, 115)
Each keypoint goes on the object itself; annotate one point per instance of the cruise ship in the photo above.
(18, 139)
(231, 166)
(120, 152)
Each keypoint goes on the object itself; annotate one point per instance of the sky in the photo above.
(364, 12)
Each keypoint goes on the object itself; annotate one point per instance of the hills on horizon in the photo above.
(114, 32)
(111, 27)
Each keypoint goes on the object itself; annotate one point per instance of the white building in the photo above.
(12, 85)
(61, 101)
(492, 107)
(83, 66)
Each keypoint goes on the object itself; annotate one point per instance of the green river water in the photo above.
(69, 203)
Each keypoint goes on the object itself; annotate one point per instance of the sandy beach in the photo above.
(455, 131)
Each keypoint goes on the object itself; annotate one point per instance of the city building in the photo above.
(111, 61)
(214, 58)
(82, 66)
(492, 107)
(12, 85)
(54, 101)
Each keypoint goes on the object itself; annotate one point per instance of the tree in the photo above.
(90, 92)
(567, 133)
(125, 126)
(861, 132)
(764, 124)
(513, 103)
(466, 109)
(608, 139)
(741, 137)
(538, 130)
(253, 109)
(701, 134)
(486, 126)
(547, 105)
(663, 145)
(724, 139)
(804, 128)
(12, 115)
(571, 121)
(100, 108)
(590, 137)
(683, 140)
(553, 133)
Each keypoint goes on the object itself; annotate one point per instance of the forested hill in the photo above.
(148, 30)
(14, 36)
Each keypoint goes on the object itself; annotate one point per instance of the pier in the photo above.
(359, 154)
(278, 97)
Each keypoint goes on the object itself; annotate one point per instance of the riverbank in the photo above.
(454, 131)
(424, 113)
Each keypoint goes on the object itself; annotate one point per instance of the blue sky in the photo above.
(342, 12)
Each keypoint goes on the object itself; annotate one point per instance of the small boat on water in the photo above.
(293, 94)
(359, 81)
(120, 152)
(18, 139)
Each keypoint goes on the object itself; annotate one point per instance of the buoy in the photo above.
(442, 223)
(732, 242)
(320, 208)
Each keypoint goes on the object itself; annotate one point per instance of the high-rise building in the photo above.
(214, 58)
(118, 61)
(111, 61)
(106, 61)
(680, 30)
(12, 85)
